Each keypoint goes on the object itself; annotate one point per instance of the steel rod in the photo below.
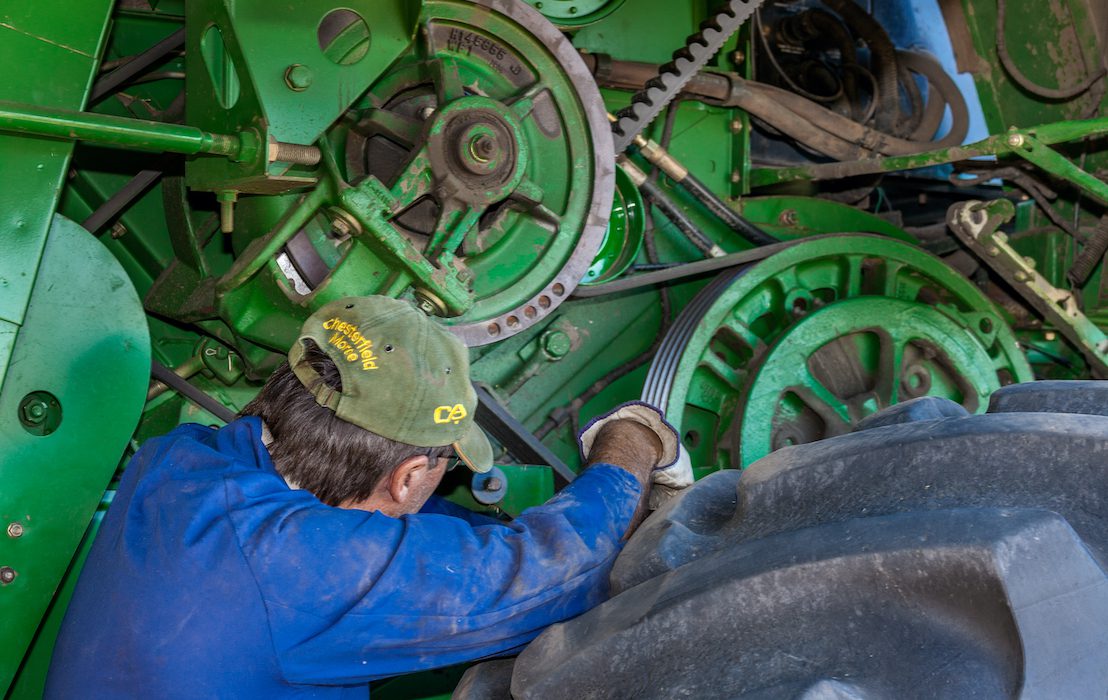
(106, 130)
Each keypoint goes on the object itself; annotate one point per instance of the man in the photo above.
(296, 552)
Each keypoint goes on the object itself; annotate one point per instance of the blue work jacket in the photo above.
(210, 577)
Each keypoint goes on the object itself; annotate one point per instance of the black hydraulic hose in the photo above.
(168, 377)
(942, 92)
(1025, 82)
(910, 121)
(882, 55)
(824, 26)
(796, 126)
(735, 221)
(137, 65)
(1091, 254)
(776, 109)
(679, 218)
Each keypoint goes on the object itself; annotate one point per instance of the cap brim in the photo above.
(474, 449)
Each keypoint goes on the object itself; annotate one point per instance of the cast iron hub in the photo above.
(476, 151)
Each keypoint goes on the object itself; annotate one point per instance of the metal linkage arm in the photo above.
(976, 224)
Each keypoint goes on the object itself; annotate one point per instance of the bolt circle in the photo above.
(15, 529)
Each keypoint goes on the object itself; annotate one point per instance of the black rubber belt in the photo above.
(521, 443)
(692, 269)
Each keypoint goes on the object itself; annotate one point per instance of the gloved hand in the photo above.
(670, 481)
(673, 471)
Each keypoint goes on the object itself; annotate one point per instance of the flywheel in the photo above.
(809, 342)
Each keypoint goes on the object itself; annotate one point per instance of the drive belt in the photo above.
(673, 76)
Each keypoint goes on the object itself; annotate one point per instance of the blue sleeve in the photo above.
(354, 596)
(437, 505)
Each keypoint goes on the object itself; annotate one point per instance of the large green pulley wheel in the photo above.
(807, 343)
(497, 123)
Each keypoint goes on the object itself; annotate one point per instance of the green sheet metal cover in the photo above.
(84, 349)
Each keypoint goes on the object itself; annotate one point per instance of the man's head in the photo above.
(374, 397)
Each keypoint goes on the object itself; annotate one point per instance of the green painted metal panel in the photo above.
(63, 40)
(84, 345)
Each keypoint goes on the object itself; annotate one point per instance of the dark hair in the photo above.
(314, 449)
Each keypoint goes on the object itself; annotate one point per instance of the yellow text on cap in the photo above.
(450, 414)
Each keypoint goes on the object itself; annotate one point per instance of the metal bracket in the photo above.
(977, 225)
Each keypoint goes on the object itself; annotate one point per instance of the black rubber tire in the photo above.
(946, 557)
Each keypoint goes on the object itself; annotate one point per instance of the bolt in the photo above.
(737, 57)
(426, 112)
(227, 199)
(15, 530)
(298, 77)
(7, 575)
(483, 148)
(736, 177)
(34, 411)
(341, 227)
(1102, 347)
(493, 484)
(736, 126)
(1015, 140)
(573, 10)
(556, 344)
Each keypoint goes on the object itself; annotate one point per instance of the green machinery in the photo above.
(758, 241)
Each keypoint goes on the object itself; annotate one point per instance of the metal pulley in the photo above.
(805, 344)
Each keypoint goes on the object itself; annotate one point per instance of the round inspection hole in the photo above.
(343, 37)
(544, 301)
(493, 329)
(512, 321)
(558, 289)
(530, 312)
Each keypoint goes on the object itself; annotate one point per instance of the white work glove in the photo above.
(670, 481)
(673, 471)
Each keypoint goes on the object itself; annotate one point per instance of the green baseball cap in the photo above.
(404, 376)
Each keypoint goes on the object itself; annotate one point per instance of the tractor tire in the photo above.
(930, 554)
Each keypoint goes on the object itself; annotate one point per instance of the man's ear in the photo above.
(407, 475)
